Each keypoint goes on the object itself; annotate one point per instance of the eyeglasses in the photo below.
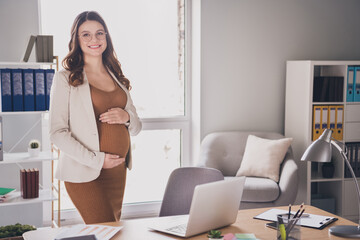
(86, 37)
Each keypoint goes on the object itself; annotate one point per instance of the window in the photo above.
(149, 39)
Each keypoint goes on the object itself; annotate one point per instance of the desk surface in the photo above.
(137, 228)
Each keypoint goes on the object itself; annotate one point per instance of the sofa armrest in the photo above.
(289, 181)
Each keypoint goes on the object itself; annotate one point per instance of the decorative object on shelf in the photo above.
(328, 170)
(29, 183)
(16, 230)
(34, 148)
(320, 151)
(215, 234)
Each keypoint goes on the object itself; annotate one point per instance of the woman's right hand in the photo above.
(112, 161)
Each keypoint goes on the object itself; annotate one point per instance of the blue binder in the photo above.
(40, 90)
(350, 84)
(28, 86)
(49, 75)
(17, 90)
(6, 98)
(357, 85)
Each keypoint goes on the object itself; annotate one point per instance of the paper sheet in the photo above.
(312, 220)
(102, 232)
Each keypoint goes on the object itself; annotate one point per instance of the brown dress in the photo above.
(101, 200)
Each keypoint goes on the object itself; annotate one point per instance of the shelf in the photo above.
(26, 63)
(352, 103)
(22, 113)
(321, 179)
(10, 158)
(328, 103)
(16, 199)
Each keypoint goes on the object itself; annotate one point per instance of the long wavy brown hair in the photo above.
(74, 60)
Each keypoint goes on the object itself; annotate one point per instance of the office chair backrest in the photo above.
(180, 188)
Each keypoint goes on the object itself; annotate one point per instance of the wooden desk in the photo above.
(137, 228)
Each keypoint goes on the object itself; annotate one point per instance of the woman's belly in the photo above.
(114, 138)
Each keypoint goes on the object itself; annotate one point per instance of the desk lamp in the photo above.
(320, 151)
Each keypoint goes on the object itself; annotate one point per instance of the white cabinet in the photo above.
(299, 106)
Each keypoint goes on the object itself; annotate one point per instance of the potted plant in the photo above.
(14, 232)
(215, 234)
(34, 148)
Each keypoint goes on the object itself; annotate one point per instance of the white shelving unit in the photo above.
(298, 125)
(50, 193)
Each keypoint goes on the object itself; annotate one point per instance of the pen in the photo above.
(293, 223)
(298, 211)
(289, 212)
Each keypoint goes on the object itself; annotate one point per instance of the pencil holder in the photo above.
(288, 228)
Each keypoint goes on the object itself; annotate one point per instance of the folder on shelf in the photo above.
(39, 90)
(357, 85)
(17, 90)
(316, 122)
(324, 118)
(6, 98)
(39, 49)
(338, 134)
(332, 117)
(28, 86)
(349, 156)
(350, 84)
(49, 75)
(29, 48)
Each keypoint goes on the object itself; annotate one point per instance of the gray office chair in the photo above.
(180, 188)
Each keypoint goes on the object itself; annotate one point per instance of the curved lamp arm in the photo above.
(352, 173)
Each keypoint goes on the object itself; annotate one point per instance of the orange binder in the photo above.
(316, 122)
(332, 118)
(324, 118)
(339, 123)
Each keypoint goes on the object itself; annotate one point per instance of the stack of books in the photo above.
(4, 193)
(44, 48)
(29, 183)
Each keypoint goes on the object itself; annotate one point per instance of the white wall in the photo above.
(19, 20)
(245, 45)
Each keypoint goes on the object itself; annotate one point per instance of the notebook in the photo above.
(213, 205)
(311, 220)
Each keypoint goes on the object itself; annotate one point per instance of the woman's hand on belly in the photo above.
(115, 116)
(112, 161)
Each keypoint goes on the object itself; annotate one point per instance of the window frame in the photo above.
(182, 122)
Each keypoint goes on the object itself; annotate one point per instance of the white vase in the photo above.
(34, 152)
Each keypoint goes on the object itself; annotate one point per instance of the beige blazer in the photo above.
(74, 131)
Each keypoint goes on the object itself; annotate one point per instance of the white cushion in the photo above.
(262, 157)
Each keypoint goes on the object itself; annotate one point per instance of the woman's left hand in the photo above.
(115, 116)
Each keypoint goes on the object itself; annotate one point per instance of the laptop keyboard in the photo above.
(178, 229)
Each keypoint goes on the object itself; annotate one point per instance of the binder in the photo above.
(332, 117)
(28, 87)
(316, 122)
(36, 183)
(6, 98)
(29, 48)
(49, 75)
(40, 90)
(39, 49)
(339, 123)
(358, 159)
(350, 84)
(324, 118)
(357, 85)
(17, 90)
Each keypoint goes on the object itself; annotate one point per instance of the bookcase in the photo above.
(18, 128)
(306, 93)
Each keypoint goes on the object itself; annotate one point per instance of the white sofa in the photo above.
(224, 151)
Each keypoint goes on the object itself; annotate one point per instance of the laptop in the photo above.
(214, 205)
